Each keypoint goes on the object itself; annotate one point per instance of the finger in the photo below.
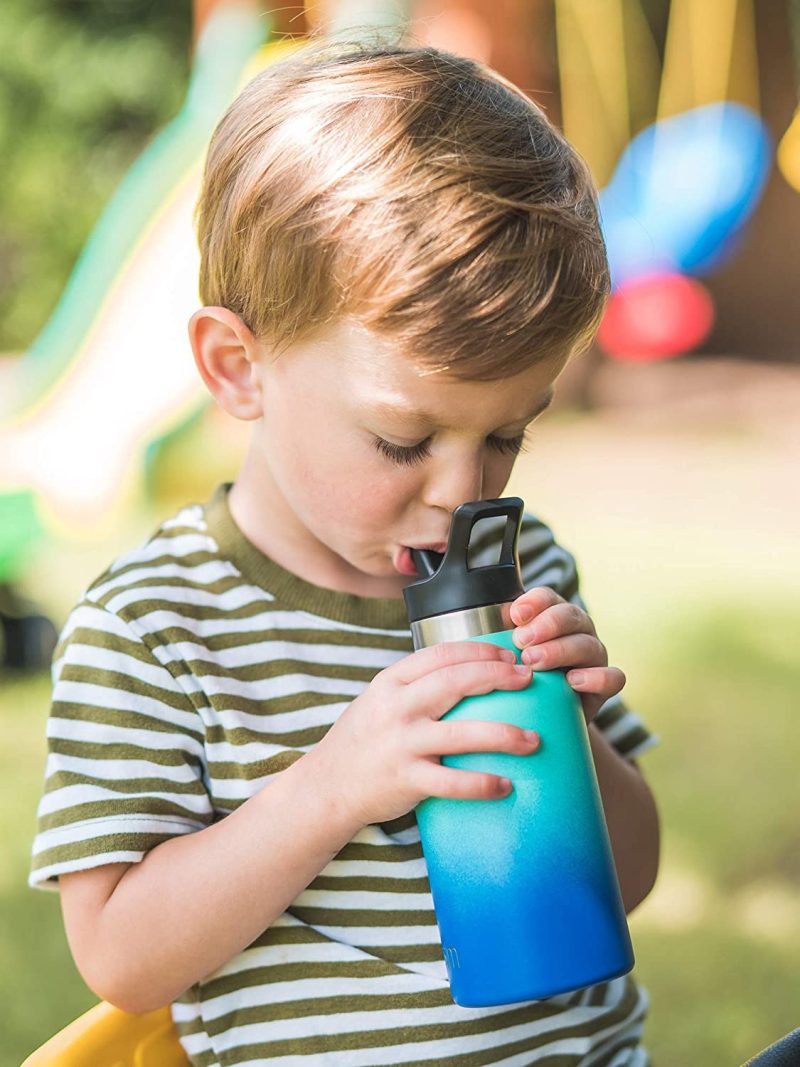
(439, 691)
(531, 603)
(555, 621)
(575, 650)
(602, 681)
(445, 653)
(434, 780)
(456, 736)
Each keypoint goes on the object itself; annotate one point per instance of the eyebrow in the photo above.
(384, 408)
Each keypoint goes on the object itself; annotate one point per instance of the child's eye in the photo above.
(413, 454)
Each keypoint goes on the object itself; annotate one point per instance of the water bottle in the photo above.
(524, 888)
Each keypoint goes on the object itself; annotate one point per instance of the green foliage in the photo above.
(84, 85)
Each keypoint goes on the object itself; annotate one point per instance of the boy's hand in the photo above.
(553, 633)
(381, 756)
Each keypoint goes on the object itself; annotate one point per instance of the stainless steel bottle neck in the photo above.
(458, 625)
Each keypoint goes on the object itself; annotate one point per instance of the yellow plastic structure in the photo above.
(107, 1037)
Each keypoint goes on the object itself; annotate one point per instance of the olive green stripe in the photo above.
(100, 846)
(105, 808)
(360, 917)
(290, 739)
(115, 752)
(123, 718)
(196, 558)
(242, 639)
(277, 705)
(277, 668)
(369, 884)
(166, 581)
(198, 612)
(125, 683)
(180, 529)
(110, 642)
(247, 772)
(611, 715)
(289, 935)
(630, 741)
(209, 613)
(403, 822)
(205, 1058)
(296, 972)
(62, 778)
(357, 850)
(410, 953)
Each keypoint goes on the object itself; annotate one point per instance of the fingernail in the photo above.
(522, 668)
(524, 614)
(508, 655)
(533, 655)
(531, 735)
(576, 678)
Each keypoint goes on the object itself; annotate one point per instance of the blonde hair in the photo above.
(416, 191)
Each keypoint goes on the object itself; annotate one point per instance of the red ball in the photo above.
(655, 317)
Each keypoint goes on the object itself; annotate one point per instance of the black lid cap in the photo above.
(449, 584)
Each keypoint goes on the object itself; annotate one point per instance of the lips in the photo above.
(403, 561)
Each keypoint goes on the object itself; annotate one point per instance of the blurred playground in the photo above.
(668, 465)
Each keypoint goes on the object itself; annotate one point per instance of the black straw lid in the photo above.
(448, 584)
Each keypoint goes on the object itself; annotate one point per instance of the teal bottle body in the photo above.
(524, 888)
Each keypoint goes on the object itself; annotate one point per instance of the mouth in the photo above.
(403, 561)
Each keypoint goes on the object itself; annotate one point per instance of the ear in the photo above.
(226, 352)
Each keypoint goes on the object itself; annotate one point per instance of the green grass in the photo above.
(716, 940)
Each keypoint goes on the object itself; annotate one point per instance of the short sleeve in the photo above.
(125, 755)
(545, 562)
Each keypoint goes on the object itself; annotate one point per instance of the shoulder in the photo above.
(149, 595)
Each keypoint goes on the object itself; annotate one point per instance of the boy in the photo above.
(398, 255)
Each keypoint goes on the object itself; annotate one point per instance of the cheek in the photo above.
(339, 478)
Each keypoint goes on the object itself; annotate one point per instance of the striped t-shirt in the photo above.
(192, 670)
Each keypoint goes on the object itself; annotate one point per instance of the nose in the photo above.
(453, 481)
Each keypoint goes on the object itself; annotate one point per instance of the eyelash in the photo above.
(399, 454)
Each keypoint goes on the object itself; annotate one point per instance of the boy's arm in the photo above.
(632, 819)
(142, 933)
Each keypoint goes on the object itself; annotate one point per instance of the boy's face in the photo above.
(318, 495)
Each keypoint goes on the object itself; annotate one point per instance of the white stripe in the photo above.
(412, 868)
(38, 878)
(101, 696)
(283, 685)
(114, 734)
(182, 545)
(205, 573)
(117, 824)
(401, 1018)
(376, 936)
(643, 746)
(273, 955)
(263, 652)
(229, 600)
(269, 619)
(189, 515)
(119, 769)
(312, 989)
(363, 900)
(196, 1044)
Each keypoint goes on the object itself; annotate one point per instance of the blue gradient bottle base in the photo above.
(525, 888)
(535, 952)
